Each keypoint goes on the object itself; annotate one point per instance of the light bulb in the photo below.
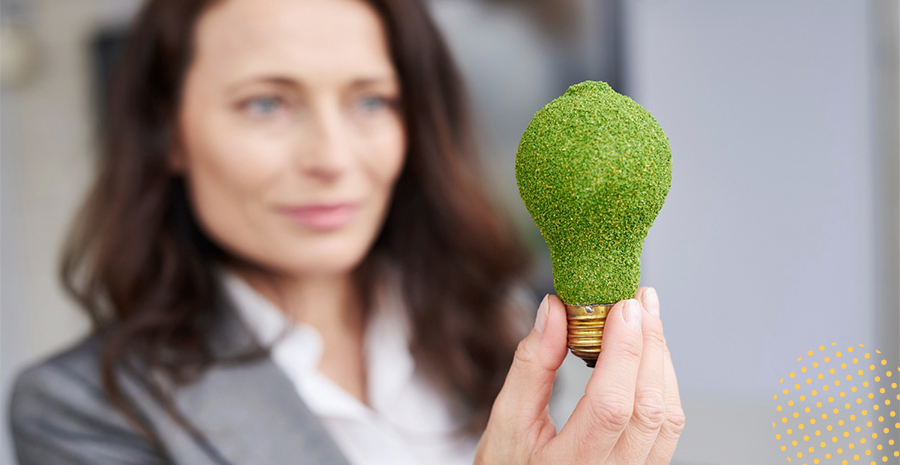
(593, 169)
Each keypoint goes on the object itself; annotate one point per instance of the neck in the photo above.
(331, 304)
(328, 302)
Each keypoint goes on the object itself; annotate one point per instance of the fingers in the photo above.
(529, 383)
(671, 429)
(648, 297)
(605, 410)
(649, 396)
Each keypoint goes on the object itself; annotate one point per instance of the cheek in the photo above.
(229, 176)
(387, 155)
(226, 166)
(381, 159)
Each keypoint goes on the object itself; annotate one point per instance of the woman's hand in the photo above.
(630, 413)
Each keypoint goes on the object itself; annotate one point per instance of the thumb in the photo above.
(529, 383)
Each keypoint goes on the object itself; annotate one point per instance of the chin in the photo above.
(321, 260)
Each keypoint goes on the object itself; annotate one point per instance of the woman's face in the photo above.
(291, 136)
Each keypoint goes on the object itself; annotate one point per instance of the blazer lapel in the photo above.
(250, 412)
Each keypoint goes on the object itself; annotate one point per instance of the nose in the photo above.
(326, 153)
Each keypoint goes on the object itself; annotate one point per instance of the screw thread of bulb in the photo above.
(585, 325)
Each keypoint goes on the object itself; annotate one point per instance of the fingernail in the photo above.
(633, 314)
(540, 321)
(653, 301)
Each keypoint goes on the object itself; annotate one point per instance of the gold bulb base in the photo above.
(586, 324)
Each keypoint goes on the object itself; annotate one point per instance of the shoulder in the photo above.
(59, 412)
(61, 378)
(75, 370)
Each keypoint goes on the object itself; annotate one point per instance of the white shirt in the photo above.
(408, 421)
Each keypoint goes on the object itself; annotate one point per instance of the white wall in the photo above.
(767, 245)
(47, 155)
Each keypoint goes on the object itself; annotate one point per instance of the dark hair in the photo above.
(141, 267)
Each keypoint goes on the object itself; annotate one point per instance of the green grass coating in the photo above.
(594, 168)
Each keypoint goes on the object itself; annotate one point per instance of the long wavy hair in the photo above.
(142, 269)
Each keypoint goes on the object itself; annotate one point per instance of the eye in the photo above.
(263, 106)
(372, 103)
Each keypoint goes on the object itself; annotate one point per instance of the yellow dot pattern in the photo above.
(839, 407)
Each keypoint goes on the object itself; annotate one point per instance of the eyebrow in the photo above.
(390, 79)
(290, 82)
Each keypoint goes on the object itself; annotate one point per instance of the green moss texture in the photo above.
(594, 168)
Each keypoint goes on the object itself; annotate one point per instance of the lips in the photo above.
(322, 217)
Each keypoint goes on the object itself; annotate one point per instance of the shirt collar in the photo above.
(395, 392)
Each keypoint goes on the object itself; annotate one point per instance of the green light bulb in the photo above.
(593, 169)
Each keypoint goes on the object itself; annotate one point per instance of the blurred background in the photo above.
(781, 232)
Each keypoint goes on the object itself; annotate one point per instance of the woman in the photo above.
(287, 258)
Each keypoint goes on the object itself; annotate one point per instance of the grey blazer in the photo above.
(248, 414)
